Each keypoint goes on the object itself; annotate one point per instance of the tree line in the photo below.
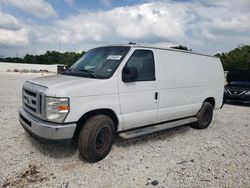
(236, 59)
(50, 57)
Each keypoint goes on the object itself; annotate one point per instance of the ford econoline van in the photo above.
(130, 90)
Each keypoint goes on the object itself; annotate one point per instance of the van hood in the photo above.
(243, 84)
(74, 86)
(59, 80)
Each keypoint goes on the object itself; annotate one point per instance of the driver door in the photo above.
(139, 99)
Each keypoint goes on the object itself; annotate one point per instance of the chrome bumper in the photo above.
(45, 130)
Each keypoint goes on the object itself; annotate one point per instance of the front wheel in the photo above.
(96, 138)
(204, 116)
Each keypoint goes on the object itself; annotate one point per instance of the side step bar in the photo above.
(155, 128)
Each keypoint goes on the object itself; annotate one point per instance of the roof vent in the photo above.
(132, 43)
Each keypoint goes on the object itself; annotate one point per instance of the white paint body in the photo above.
(183, 81)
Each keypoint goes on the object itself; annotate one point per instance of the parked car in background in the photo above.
(238, 87)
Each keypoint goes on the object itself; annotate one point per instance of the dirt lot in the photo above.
(182, 157)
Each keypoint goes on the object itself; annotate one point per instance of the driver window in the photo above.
(143, 61)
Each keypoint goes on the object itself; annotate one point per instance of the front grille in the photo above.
(236, 90)
(33, 99)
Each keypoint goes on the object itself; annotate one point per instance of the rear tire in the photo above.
(205, 116)
(96, 138)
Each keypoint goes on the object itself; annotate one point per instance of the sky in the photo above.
(205, 26)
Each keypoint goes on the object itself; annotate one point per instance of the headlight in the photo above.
(247, 93)
(225, 90)
(57, 109)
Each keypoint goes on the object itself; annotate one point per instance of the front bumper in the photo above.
(236, 101)
(237, 98)
(46, 130)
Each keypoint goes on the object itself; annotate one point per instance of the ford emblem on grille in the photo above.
(28, 100)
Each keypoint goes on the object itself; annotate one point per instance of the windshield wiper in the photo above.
(89, 72)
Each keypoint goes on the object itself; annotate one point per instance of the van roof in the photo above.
(134, 45)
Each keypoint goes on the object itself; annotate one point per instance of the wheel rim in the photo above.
(207, 116)
(102, 140)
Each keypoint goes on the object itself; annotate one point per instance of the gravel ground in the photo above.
(182, 157)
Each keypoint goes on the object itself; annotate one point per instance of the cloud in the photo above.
(12, 33)
(221, 19)
(106, 2)
(146, 22)
(70, 2)
(156, 22)
(43, 35)
(8, 22)
(232, 5)
(38, 8)
(205, 26)
(13, 38)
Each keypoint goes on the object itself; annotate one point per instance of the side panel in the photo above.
(186, 81)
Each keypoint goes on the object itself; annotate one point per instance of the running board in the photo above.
(155, 128)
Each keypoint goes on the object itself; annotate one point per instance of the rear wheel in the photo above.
(205, 116)
(96, 138)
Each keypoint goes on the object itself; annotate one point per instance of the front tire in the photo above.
(96, 138)
(204, 116)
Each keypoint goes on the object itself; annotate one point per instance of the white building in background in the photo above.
(4, 67)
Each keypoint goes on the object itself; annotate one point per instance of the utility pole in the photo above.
(59, 40)
(60, 43)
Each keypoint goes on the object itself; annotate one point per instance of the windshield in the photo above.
(99, 62)
(238, 76)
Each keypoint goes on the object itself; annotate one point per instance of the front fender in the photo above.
(81, 105)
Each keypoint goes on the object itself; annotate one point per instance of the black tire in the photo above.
(205, 116)
(96, 138)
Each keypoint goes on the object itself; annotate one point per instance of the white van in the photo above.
(129, 90)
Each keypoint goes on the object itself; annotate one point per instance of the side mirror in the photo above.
(129, 74)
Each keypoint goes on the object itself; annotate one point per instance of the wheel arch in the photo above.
(211, 100)
(102, 111)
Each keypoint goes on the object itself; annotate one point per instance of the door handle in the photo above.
(156, 95)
